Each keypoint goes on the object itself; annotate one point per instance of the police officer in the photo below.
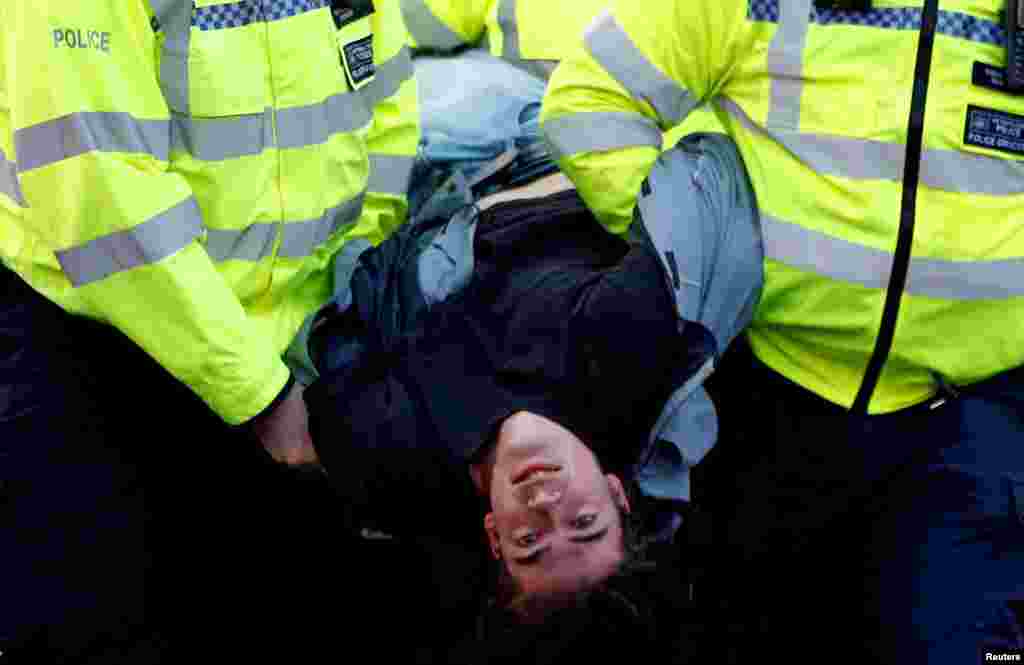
(175, 179)
(875, 458)
(532, 34)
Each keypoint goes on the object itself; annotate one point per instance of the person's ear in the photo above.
(476, 474)
(492, 535)
(618, 491)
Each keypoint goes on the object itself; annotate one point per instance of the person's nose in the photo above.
(543, 496)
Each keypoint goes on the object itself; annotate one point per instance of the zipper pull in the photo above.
(947, 392)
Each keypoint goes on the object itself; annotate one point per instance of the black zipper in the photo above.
(908, 209)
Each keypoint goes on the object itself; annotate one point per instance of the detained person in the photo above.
(515, 367)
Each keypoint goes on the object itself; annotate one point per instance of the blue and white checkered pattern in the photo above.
(244, 12)
(763, 10)
(234, 15)
(279, 9)
(951, 24)
(901, 18)
(972, 28)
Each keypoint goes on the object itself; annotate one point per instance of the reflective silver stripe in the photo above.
(609, 44)
(428, 30)
(389, 174)
(301, 238)
(76, 134)
(511, 50)
(593, 132)
(149, 242)
(312, 125)
(786, 64)
(213, 139)
(161, 8)
(509, 30)
(864, 159)
(175, 19)
(542, 69)
(9, 183)
(842, 260)
(249, 244)
(390, 76)
(962, 172)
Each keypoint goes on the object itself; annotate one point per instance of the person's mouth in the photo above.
(536, 471)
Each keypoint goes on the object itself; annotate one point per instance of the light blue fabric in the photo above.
(475, 108)
(697, 209)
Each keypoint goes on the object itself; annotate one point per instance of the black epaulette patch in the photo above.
(988, 76)
(347, 11)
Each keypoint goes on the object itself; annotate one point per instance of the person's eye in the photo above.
(584, 521)
(526, 540)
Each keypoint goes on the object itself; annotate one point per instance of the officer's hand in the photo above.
(284, 432)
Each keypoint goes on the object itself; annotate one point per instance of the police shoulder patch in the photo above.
(995, 130)
(359, 59)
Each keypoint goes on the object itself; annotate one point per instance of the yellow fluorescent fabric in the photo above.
(536, 35)
(818, 105)
(394, 134)
(186, 173)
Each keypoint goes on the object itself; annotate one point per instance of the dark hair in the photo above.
(608, 620)
(599, 625)
(613, 620)
(534, 608)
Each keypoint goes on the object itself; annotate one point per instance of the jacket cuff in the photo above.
(281, 396)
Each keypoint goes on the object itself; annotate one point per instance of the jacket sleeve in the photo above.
(445, 25)
(394, 134)
(642, 69)
(102, 207)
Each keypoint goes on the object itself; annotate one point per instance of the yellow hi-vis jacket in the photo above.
(185, 170)
(534, 35)
(818, 102)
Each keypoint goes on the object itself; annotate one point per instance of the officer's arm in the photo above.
(91, 142)
(643, 67)
(393, 136)
(445, 25)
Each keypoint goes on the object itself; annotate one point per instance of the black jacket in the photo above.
(560, 319)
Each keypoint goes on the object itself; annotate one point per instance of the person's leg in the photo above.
(949, 545)
(898, 537)
(73, 514)
(782, 580)
(786, 488)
